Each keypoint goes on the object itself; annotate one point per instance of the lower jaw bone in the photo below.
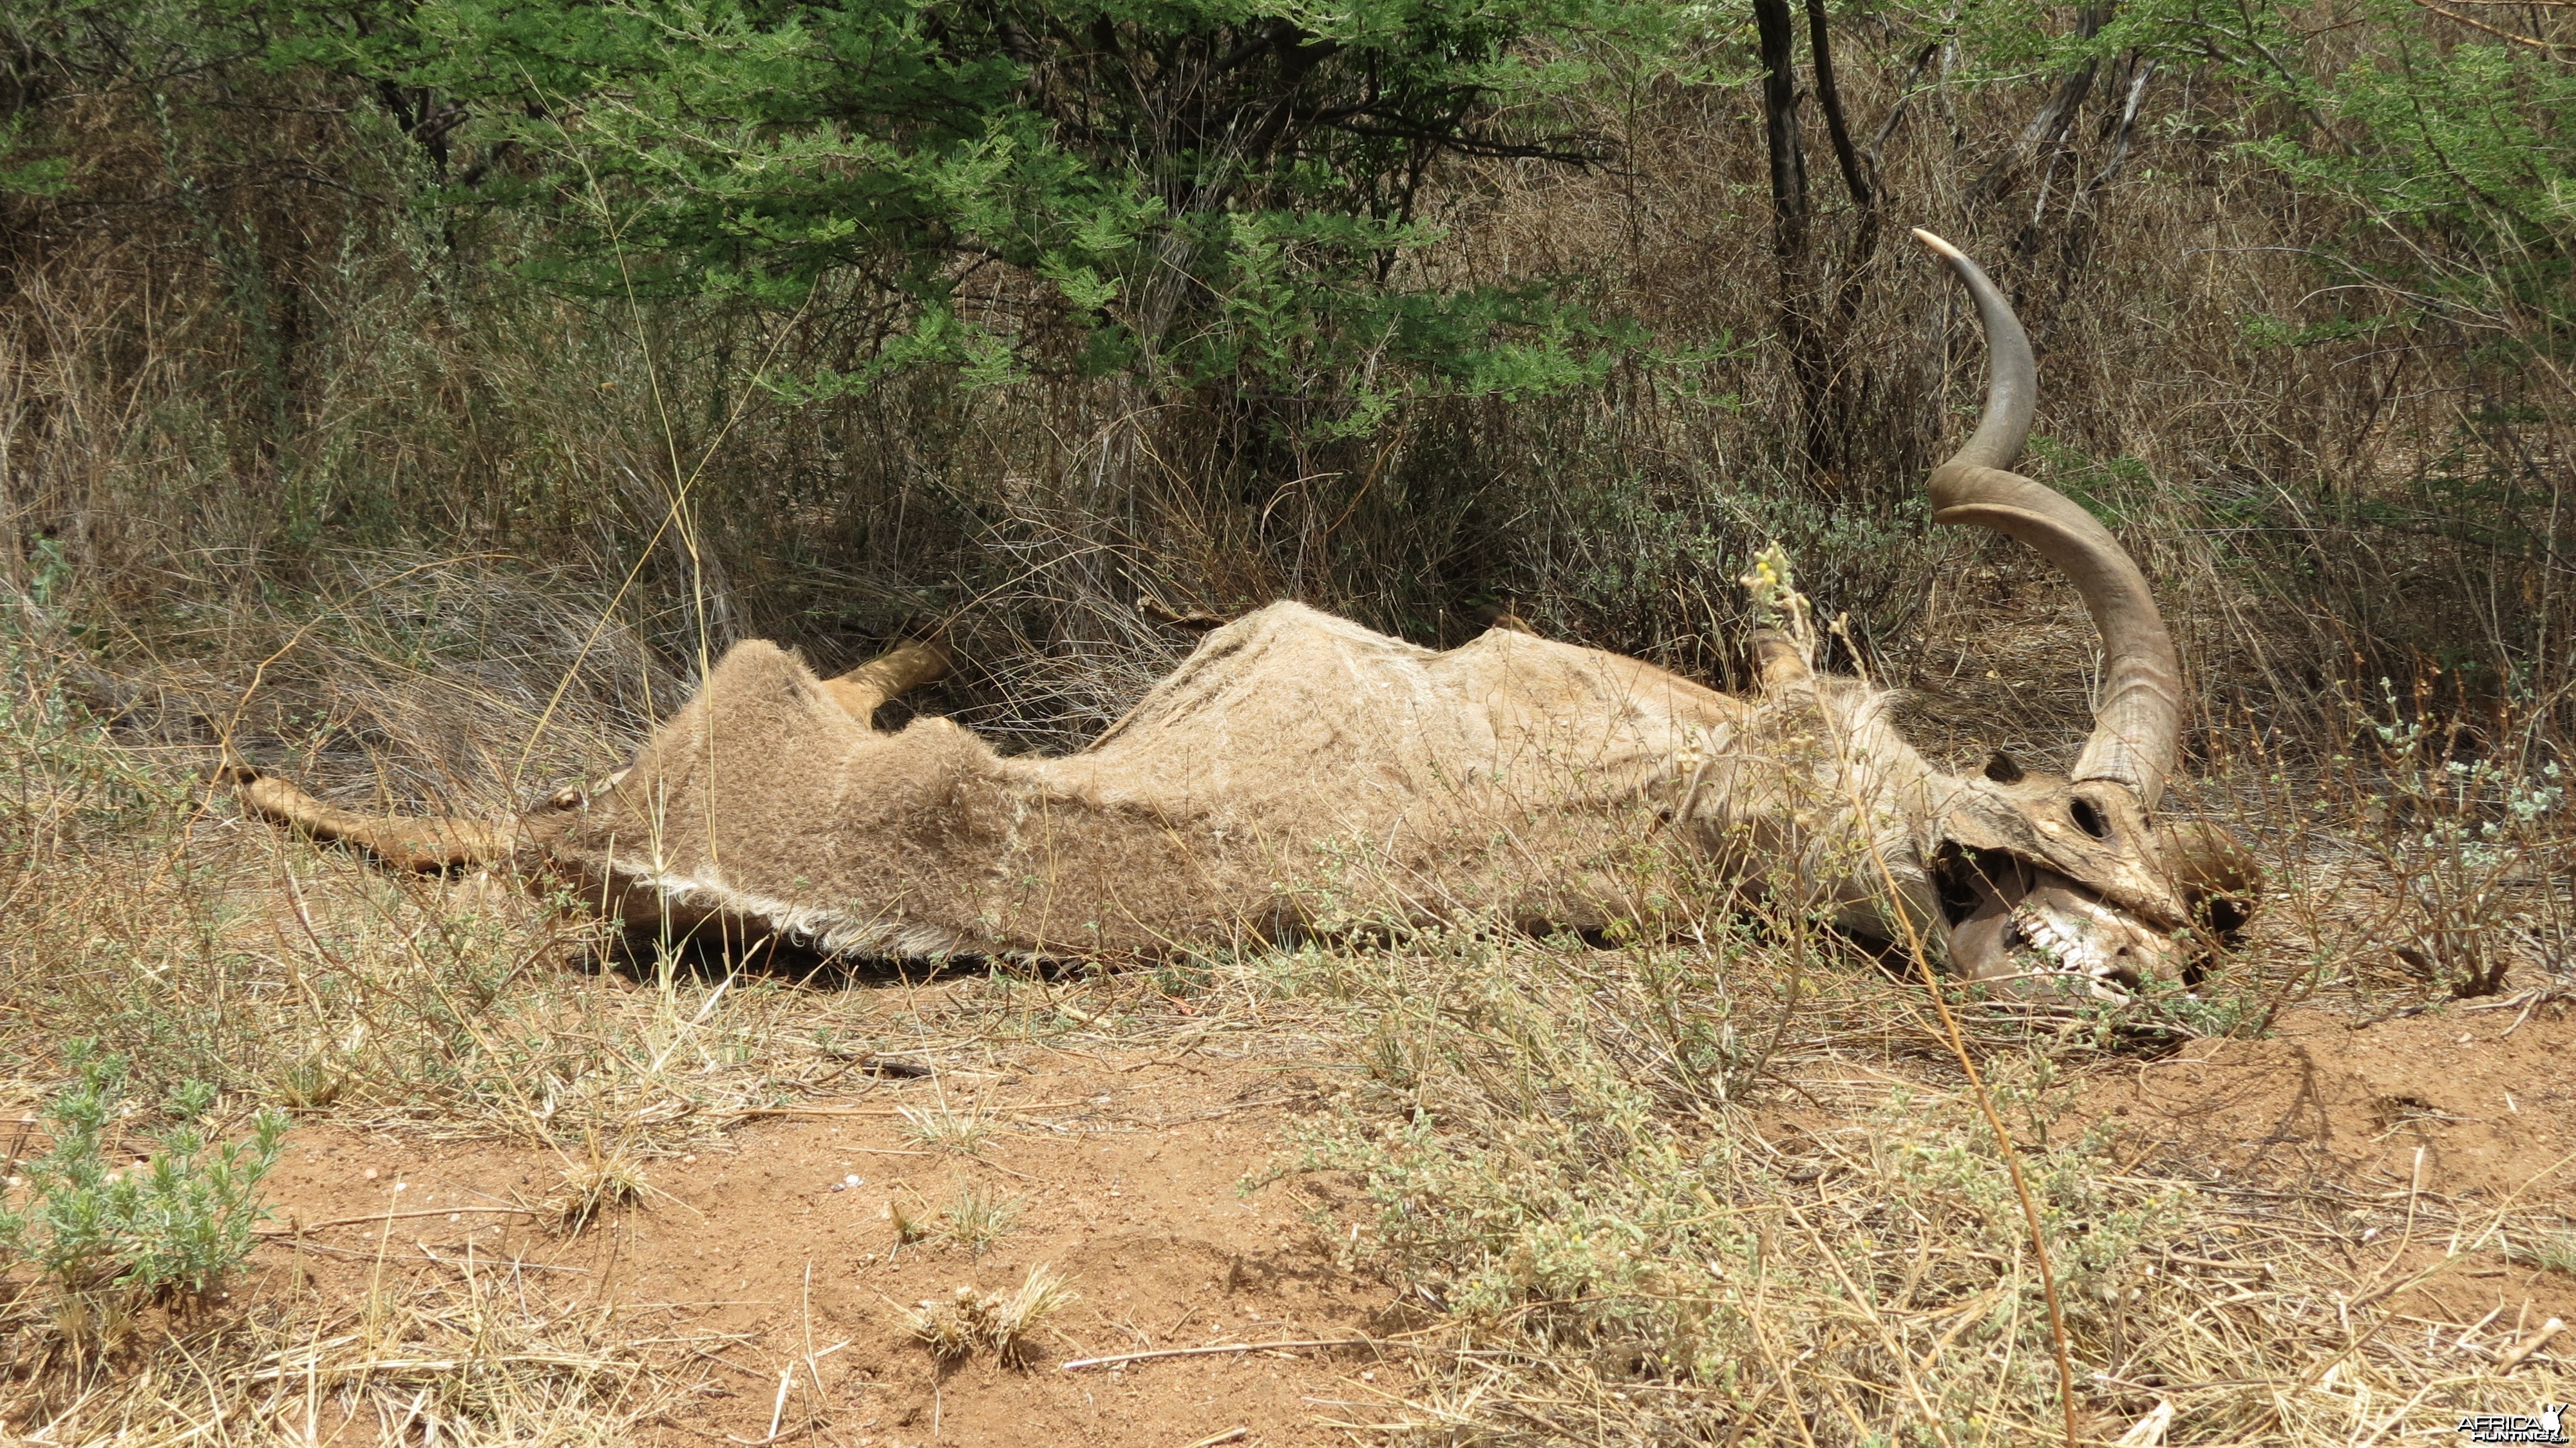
(2054, 950)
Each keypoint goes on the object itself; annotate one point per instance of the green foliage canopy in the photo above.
(1200, 191)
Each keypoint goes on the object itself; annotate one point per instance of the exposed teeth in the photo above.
(2055, 952)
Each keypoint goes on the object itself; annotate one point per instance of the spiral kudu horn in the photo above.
(2137, 728)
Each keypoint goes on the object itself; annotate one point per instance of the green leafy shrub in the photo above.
(1187, 192)
(171, 1224)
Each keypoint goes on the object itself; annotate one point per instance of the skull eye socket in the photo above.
(2089, 818)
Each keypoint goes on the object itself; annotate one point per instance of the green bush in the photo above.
(1185, 191)
(173, 1224)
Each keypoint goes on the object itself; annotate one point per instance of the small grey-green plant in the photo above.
(1777, 601)
(173, 1223)
(2459, 831)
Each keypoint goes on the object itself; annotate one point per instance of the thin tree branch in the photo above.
(2543, 46)
(1856, 177)
(2052, 119)
(1905, 97)
(2128, 128)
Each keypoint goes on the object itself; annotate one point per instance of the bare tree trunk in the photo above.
(2126, 132)
(1896, 112)
(1779, 43)
(1792, 239)
(2049, 125)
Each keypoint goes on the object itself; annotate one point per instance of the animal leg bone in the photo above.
(420, 845)
(889, 676)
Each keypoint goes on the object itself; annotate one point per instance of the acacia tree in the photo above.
(1204, 193)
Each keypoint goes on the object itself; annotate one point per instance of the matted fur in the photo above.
(1294, 763)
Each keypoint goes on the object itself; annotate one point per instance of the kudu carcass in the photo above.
(1296, 758)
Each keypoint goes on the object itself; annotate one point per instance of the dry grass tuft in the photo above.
(951, 1330)
(594, 1185)
(949, 1128)
(977, 1219)
(909, 1227)
(1012, 1323)
(1005, 1323)
(483, 1357)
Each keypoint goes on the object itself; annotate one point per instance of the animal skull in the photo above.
(1297, 761)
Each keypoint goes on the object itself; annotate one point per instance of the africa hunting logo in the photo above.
(2547, 1426)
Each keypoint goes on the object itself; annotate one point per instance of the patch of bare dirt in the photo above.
(2426, 1125)
(2485, 1096)
(773, 1277)
(779, 1260)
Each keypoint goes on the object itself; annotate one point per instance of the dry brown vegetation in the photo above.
(283, 471)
